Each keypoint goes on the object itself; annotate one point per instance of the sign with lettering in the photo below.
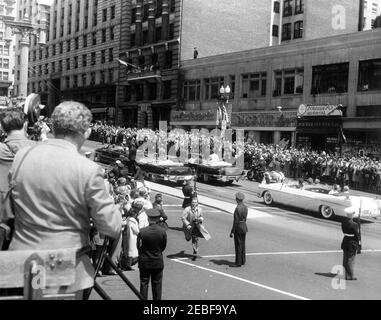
(264, 119)
(308, 110)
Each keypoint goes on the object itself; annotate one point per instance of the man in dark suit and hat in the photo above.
(152, 241)
(239, 230)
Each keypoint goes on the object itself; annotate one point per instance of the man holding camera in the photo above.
(58, 191)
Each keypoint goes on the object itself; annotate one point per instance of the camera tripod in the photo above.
(105, 258)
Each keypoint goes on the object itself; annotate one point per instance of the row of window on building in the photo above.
(157, 38)
(288, 6)
(287, 30)
(4, 75)
(4, 50)
(82, 80)
(148, 91)
(332, 78)
(158, 10)
(72, 44)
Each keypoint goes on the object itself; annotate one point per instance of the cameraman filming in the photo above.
(58, 191)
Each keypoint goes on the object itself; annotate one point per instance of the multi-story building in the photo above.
(372, 9)
(270, 84)
(221, 26)
(7, 62)
(150, 45)
(78, 61)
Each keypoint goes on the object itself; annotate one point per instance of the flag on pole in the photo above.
(122, 62)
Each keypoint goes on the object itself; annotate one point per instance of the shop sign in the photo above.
(264, 119)
(200, 115)
(308, 110)
(4, 101)
(319, 124)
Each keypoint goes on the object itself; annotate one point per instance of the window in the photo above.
(92, 78)
(112, 9)
(75, 81)
(112, 34)
(103, 56)
(5, 76)
(172, 6)
(167, 89)
(132, 40)
(133, 15)
(127, 93)
(276, 6)
(253, 85)
(171, 31)
(53, 67)
(5, 63)
(168, 59)
(76, 43)
(139, 90)
(145, 12)
(67, 82)
(298, 29)
(93, 58)
(61, 47)
(75, 62)
(275, 30)
(299, 6)
(330, 78)
(95, 19)
(84, 79)
(158, 34)
(141, 61)
(286, 32)
(191, 90)
(94, 38)
(152, 90)
(159, 8)
(288, 81)
(84, 60)
(232, 86)
(103, 77)
(68, 46)
(212, 87)
(85, 41)
(369, 75)
(104, 35)
(110, 54)
(145, 37)
(68, 64)
(111, 75)
(287, 8)
(60, 65)
(104, 15)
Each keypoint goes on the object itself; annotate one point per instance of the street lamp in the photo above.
(25, 28)
(222, 113)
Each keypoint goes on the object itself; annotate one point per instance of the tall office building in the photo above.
(7, 12)
(78, 61)
(372, 9)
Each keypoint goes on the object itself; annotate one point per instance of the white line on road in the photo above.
(244, 280)
(282, 253)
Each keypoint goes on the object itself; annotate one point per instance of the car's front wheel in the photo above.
(268, 198)
(326, 212)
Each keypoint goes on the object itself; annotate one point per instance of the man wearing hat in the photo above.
(187, 192)
(350, 245)
(152, 241)
(239, 230)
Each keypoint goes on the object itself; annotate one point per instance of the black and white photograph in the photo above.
(204, 153)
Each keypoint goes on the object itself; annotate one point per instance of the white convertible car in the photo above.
(317, 198)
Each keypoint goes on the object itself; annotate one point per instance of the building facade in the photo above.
(7, 60)
(78, 61)
(269, 85)
(372, 9)
(147, 90)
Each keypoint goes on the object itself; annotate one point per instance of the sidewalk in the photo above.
(206, 201)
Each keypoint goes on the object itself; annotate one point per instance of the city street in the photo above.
(290, 254)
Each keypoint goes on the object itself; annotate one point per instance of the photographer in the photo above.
(58, 191)
(192, 219)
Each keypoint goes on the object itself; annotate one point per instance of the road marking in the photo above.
(282, 253)
(244, 280)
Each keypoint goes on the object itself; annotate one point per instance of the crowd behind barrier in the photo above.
(359, 172)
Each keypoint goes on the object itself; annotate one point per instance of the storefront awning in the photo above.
(148, 77)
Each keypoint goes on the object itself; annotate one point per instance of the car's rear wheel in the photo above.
(268, 198)
(250, 175)
(326, 212)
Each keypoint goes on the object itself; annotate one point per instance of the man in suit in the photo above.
(239, 230)
(350, 245)
(57, 191)
(152, 241)
(13, 122)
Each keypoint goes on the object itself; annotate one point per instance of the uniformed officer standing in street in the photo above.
(187, 192)
(239, 230)
(350, 245)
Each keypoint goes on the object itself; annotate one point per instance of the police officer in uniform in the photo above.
(239, 230)
(187, 192)
(350, 245)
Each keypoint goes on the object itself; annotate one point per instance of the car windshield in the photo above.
(317, 190)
